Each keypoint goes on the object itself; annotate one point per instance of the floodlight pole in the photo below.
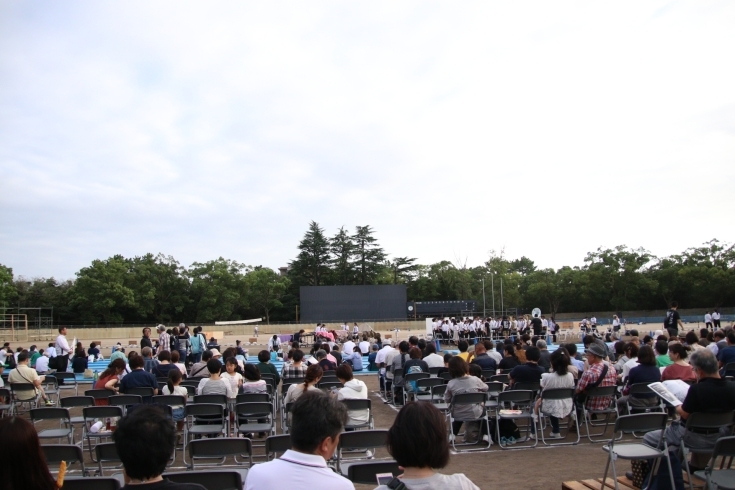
(492, 289)
(484, 312)
(502, 311)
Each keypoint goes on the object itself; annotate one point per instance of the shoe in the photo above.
(511, 440)
(555, 435)
(531, 436)
(369, 454)
(629, 475)
(503, 441)
(49, 403)
(485, 438)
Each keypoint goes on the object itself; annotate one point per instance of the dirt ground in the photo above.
(539, 468)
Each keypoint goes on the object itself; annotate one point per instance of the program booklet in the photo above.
(665, 394)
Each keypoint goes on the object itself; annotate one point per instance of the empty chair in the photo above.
(220, 448)
(724, 477)
(102, 394)
(503, 378)
(56, 453)
(210, 479)
(50, 386)
(213, 415)
(107, 453)
(145, 392)
(412, 378)
(90, 415)
(81, 483)
(644, 422)
(434, 371)
(67, 381)
(255, 417)
(275, 445)
(365, 473)
(365, 440)
(488, 373)
(55, 413)
(423, 387)
(445, 376)
(125, 401)
(72, 402)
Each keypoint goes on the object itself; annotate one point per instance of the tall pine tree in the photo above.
(368, 255)
(342, 248)
(311, 266)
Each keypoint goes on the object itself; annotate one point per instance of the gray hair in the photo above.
(541, 344)
(321, 354)
(704, 360)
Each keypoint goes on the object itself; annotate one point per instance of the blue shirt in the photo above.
(138, 378)
(726, 356)
(356, 358)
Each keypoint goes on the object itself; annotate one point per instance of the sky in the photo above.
(200, 130)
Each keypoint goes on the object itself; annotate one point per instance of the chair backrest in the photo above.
(77, 401)
(363, 439)
(205, 409)
(211, 480)
(494, 386)
(724, 447)
(220, 447)
(429, 382)
(125, 400)
(729, 368)
(434, 370)
(415, 376)
(277, 444)
(643, 422)
(398, 372)
(329, 386)
(106, 452)
(65, 376)
(503, 378)
(190, 382)
(101, 412)
(162, 379)
(469, 398)
(91, 483)
(640, 388)
(145, 392)
(328, 379)
(601, 391)
(488, 373)
(704, 420)
(221, 399)
(446, 376)
(170, 400)
(527, 385)
(191, 390)
(51, 413)
(357, 404)
(515, 396)
(99, 394)
(558, 394)
(255, 409)
(365, 473)
(5, 393)
(253, 398)
(56, 453)
(16, 387)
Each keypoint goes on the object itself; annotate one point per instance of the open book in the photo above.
(665, 394)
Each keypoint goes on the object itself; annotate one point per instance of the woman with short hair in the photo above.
(645, 372)
(353, 389)
(680, 369)
(462, 382)
(418, 442)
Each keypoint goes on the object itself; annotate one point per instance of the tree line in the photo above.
(156, 288)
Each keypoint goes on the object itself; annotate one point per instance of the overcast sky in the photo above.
(202, 130)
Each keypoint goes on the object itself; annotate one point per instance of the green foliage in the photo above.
(100, 293)
(369, 256)
(8, 291)
(311, 266)
(342, 248)
(265, 289)
(218, 290)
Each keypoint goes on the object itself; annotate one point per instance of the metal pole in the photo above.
(492, 289)
(502, 310)
(484, 312)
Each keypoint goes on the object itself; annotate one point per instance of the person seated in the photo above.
(680, 369)
(109, 380)
(311, 379)
(94, 351)
(145, 439)
(232, 376)
(252, 382)
(80, 362)
(463, 347)
(137, 377)
(42, 362)
(462, 382)
(560, 377)
(355, 359)
(164, 365)
(530, 372)
(264, 365)
(317, 419)
(214, 384)
(646, 372)
(274, 343)
(482, 359)
(173, 387)
(212, 344)
(323, 362)
(353, 389)
(372, 365)
(295, 368)
(119, 353)
(336, 354)
(199, 369)
(364, 345)
(417, 441)
(24, 464)
(23, 373)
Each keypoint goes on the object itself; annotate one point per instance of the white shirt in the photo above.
(303, 471)
(495, 355)
(51, 351)
(365, 347)
(42, 364)
(434, 360)
(349, 347)
(593, 320)
(62, 346)
(380, 356)
(629, 365)
(707, 318)
(355, 329)
(715, 316)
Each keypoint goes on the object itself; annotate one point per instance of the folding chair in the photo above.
(7, 405)
(488, 373)
(125, 401)
(357, 405)
(245, 412)
(91, 483)
(101, 413)
(220, 448)
(724, 477)
(534, 386)
(145, 392)
(702, 423)
(169, 400)
(106, 453)
(397, 373)
(67, 381)
(203, 419)
(211, 480)
(411, 377)
(102, 394)
(434, 371)
(729, 369)
(365, 473)
(446, 376)
(19, 392)
(645, 422)
(276, 444)
(609, 410)
(423, 387)
(56, 453)
(50, 386)
(72, 402)
(515, 399)
(462, 399)
(362, 441)
(218, 399)
(55, 413)
(256, 397)
(559, 394)
(502, 378)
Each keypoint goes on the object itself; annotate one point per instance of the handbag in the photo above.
(640, 470)
(88, 373)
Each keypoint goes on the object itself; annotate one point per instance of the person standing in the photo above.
(146, 340)
(716, 319)
(673, 321)
(62, 351)
(708, 320)
(616, 323)
(164, 339)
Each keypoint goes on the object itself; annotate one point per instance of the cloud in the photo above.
(203, 131)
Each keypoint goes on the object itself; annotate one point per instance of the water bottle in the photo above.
(96, 376)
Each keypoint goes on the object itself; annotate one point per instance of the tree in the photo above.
(7, 289)
(265, 288)
(311, 266)
(218, 290)
(403, 268)
(369, 256)
(342, 248)
(100, 292)
(523, 266)
(160, 288)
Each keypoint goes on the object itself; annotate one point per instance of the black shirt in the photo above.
(508, 363)
(161, 370)
(527, 373)
(146, 342)
(537, 326)
(164, 484)
(545, 361)
(710, 395)
(672, 320)
(485, 362)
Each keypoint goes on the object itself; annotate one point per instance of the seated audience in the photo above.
(530, 372)
(560, 377)
(253, 383)
(372, 365)
(264, 365)
(311, 379)
(149, 362)
(482, 359)
(646, 372)
(462, 382)
(232, 376)
(145, 440)
(94, 351)
(317, 419)
(175, 360)
(164, 365)
(295, 368)
(597, 373)
(23, 373)
(662, 354)
(545, 359)
(353, 389)
(42, 363)
(463, 347)
(109, 380)
(137, 377)
(510, 360)
(323, 362)
(80, 362)
(355, 359)
(431, 358)
(417, 441)
(199, 369)
(214, 384)
(680, 369)
(24, 462)
(173, 387)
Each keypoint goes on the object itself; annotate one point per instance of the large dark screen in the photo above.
(352, 303)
